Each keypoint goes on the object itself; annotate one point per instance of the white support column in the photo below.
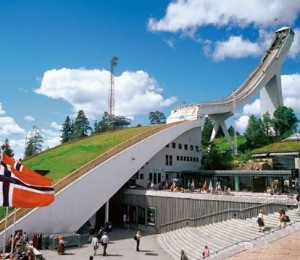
(271, 95)
(106, 211)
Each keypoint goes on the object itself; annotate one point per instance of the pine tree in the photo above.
(7, 149)
(81, 126)
(67, 130)
(34, 142)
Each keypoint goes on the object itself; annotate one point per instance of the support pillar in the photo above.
(236, 183)
(106, 212)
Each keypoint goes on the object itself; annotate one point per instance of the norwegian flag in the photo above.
(21, 187)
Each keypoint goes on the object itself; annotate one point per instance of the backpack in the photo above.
(135, 238)
(287, 219)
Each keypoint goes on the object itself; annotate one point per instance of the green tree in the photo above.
(255, 133)
(284, 122)
(67, 130)
(7, 149)
(267, 124)
(157, 118)
(34, 142)
(81, 126)
(216, 160)
(206, 131)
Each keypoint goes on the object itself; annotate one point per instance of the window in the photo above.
(197, 148)
(177, 157)
(141, 176)
(167, 145)
(179, 146)
(171, 160)
(185, 147)
(191, 147)
(155, 178)
(150, 176)
(158, 177)
(174, 145)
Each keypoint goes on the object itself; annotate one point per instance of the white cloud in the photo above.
(291, 91)
(8, 126)
(187, 15)
(55, 125)
(236, 47)
(29, 118)
(295, 48)
(252, 108)
(241, 123)
(136, 93)
(51, 138)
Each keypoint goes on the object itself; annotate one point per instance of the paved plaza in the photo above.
(122, 246)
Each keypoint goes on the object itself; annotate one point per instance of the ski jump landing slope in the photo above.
(265, 76)
(79, 201)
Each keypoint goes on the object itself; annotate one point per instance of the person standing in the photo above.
(183, 256)
(206, 252)
(104, 241)
(125, 220)
(138, 236)
(61, 245)
(298, 204)
(282, 219)
(95, 244)
(260, 221)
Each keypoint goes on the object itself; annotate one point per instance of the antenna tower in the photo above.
(111, 102)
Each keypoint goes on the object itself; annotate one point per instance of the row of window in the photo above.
(169, 159)
(183, 146)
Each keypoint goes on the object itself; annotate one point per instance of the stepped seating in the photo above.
(226, 238)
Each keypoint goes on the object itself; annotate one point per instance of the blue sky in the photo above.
(55, 58)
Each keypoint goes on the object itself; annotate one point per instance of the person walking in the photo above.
(183, 256)
(95, 244)
(206, 252)
(260, 221)
(138, 236)
(104, 241)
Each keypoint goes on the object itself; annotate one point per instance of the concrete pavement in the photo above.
(121, 246)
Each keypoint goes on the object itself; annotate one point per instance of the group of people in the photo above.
(205, 254)
(282, 220)
(103, 241)
(19, 246)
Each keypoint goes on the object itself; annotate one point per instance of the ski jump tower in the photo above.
(265, 79)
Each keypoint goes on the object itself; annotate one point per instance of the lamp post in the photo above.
(234, 123)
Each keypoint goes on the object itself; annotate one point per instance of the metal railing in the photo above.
(219, 216)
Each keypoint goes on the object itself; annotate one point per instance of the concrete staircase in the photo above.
(226, 238)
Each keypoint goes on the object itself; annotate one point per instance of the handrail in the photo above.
(219, 213)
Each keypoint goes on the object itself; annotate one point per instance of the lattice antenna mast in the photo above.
(111, 103)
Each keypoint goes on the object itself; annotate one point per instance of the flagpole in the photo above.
(13, 232)
(5, 227)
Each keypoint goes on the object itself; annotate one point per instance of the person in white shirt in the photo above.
(104, 241)
(95, 244)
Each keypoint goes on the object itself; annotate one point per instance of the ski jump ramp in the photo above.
(265, 79)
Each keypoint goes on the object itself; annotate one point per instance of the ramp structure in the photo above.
(265, 79)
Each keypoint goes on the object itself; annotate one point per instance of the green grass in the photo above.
(65, 159)
(223, 145)
(283, 146)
